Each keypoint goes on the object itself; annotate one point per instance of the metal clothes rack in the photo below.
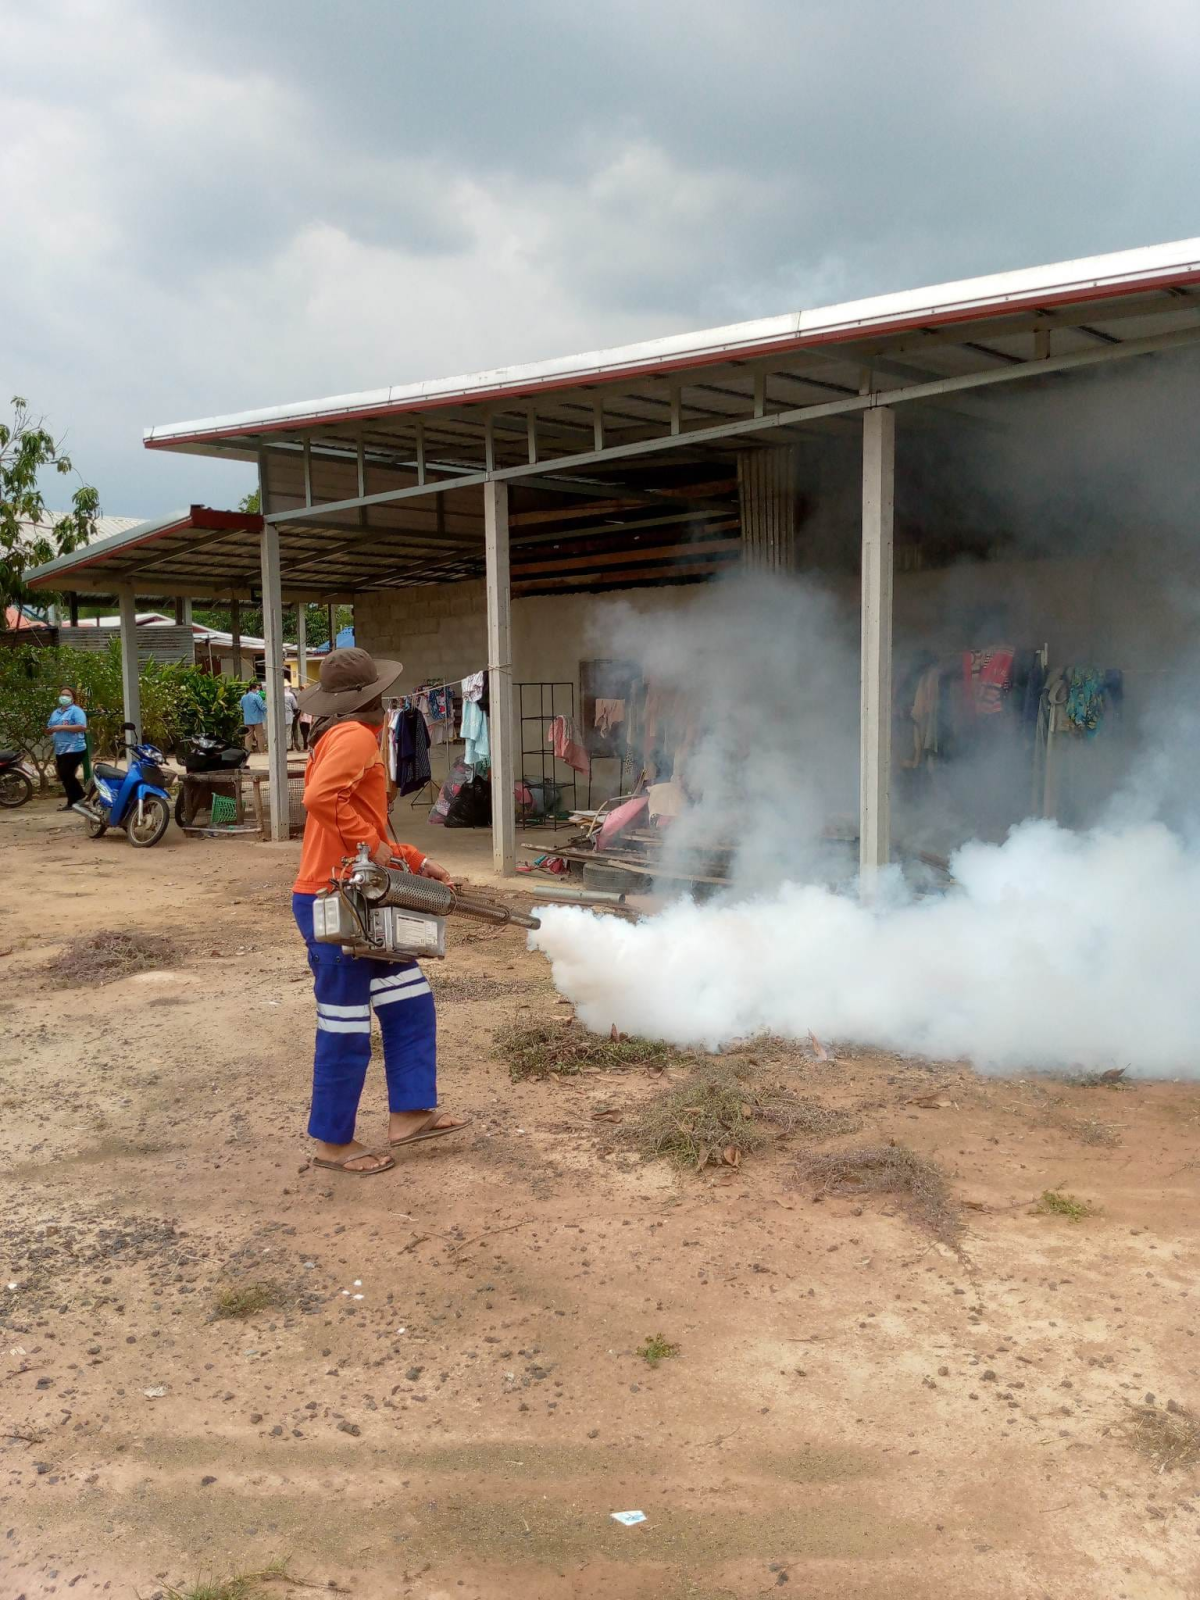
(538, 703)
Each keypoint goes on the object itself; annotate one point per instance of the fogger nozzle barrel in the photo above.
(383, 886)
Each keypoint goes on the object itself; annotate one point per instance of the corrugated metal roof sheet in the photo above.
(1088, 279)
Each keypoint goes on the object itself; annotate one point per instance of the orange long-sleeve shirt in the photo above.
(345, 795)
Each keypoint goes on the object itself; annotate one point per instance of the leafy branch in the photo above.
(29, 533)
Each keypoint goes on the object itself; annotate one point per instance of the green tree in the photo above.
(252, 621)
(27, 448)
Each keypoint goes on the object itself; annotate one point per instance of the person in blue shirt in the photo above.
(254, 718)
(67, 724)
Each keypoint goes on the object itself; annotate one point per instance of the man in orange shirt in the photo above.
(345, 795)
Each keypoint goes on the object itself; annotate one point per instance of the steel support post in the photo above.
(130, 683)
(875, 714)
(272, 603)
(502, 730)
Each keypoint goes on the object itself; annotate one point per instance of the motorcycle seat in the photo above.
(105, 769)
(7, 757)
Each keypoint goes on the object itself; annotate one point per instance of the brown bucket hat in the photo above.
(349, 680)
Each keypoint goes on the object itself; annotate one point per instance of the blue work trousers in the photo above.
(347, 988)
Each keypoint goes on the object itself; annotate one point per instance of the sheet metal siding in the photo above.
(155, 643)
(767, 494)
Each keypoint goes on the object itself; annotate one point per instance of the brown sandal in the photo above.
(357, 1155)
(427, 1130)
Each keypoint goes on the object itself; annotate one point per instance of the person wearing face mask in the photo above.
(67, 724)
(345, 796)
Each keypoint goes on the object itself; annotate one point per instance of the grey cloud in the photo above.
(227, 205)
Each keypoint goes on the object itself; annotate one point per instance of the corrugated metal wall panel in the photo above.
(160, 644)
(767, 493)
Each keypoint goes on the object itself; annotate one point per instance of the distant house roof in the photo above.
(157, 619)
(17, 620)
(105, 526)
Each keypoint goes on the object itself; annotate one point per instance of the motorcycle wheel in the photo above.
(179, 807)
(156, 815)
(15, 788)
(96, 827)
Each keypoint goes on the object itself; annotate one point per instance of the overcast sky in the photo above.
(212, 205)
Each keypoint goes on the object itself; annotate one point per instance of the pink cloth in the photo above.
(623, 817)
(568, 746)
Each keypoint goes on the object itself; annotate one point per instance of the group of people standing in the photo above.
(254, 719)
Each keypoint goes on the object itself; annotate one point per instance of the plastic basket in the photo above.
(224, 811)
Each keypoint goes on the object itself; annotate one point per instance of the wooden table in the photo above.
(199, 788)
(257, 780)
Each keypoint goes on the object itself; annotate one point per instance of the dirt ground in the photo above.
(445, 1399)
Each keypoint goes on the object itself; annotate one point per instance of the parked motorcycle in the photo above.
(16, 781)
(205, 752)
(132, 797)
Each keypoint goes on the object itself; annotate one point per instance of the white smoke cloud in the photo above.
(1056, 949)
(1051, 949)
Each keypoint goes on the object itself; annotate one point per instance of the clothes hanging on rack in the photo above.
(473, 686)
(436, 704)
(410, 744)
(1085, 699)
(925, 711)
(609, 715)
(475, 731)
(563, 735)
(1028, 681)
(987, 678)
(1075, 704)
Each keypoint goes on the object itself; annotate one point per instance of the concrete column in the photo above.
(875, 715)
(130, 681)
(501, 727)
(235, 628)
(273, 672)
(301, 644)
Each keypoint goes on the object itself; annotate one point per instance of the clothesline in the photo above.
(448, 683)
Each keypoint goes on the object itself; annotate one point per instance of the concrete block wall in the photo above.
(439, 632)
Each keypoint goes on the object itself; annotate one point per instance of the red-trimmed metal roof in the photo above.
(1082, 282)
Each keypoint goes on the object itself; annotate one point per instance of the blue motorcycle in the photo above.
(132, 797)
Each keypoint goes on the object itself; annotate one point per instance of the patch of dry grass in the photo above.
(476, 985)
(657, 1349)
(920, 1186)
(243, 1586)
(722, 1114)
(112, 954)
(1054, 1203)
(1168, 1439)
(541, 1049)
(1090, 1130)
(245, 1299)
(1111, 1078)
